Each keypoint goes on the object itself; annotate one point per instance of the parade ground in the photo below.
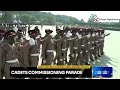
(112, 53)
(111, 57)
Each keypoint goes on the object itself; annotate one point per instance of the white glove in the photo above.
(102, 35)
(88, 36)
(72, 55)
(27, 37)
(80, 36)
(44, 61)
(93, 34)
(96, 33)
(15, 29)
(38, 36)
(68, 34)
(31, 41)
(76, 55)
(77, 33)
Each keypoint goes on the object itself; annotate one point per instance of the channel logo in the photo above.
(102, 72)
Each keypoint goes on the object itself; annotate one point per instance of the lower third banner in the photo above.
(19, 72)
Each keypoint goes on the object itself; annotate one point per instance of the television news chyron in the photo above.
(51, 71)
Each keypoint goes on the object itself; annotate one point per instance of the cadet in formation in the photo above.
(34, 51)
(60, 47)
(47, 48)
(8, 55)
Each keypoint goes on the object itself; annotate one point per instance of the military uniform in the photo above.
(57, 48)
(23, 49)
(102, 42)
(47, 48)
(96, 49)
(61, 48)
(92, 45)
(86, 48)
(73, 48)
(34, 51)
(38, 31)
(67, 37)
(80, 49)
(9, 56)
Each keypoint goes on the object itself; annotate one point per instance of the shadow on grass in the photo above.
(104, 61)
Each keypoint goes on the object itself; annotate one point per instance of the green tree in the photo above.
(82, 21)
(25, 18)
(7, 16)
(33, 19)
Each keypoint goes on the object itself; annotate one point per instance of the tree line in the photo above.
(44, 18)
(37, 17)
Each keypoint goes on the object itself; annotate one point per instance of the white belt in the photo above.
(92, 42)
(101, 39)
(60, 59)
(49, 50)
(76, 55)
(34, 54)
(86, 51)
(82, 45)
(96, 41)
(92, 48)
(81, 52)
(64, 49)
(88, 42)
(75, 47)
(98, 45)
(12, 61)
(56, 39)
(74, 38)
(68, 39)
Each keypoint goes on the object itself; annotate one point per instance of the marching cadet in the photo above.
(102, 42)
(19, 36)
(1, 36)
(38, 38)
(47, 48)
(86, 53)
(67, 34)
(38, 31)
(18, 44)
(1, 42)
(57, 30)
(23, 49)
(73, 48)
(84, 49)
(99, 42)
(96, 50)
(80, 50)
(8, 55)
(23, 52)
(34, 48)
(29, 27)
(60, 47)
(24, 29)
(57, 48)
(91, 46)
